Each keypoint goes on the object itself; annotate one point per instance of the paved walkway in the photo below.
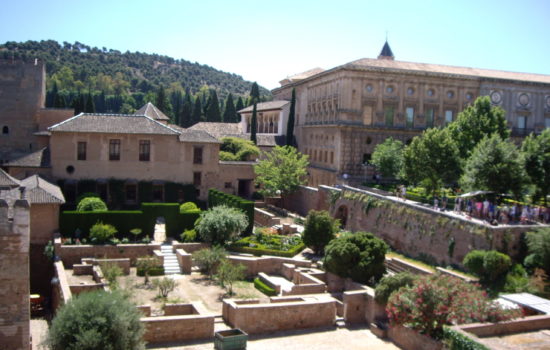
(39, 330)
(320, 339)
(160, 233)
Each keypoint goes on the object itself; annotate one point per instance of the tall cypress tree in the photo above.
(238, 107)
(255, 93)
(254, 125)
(186, 114)
(290, 124)
(229, 114)
(175, 100)
(90, 107)
(77, 104)
(162, 102)
(197, 111)
(213, 113)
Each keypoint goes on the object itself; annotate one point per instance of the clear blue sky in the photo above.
(267, 41)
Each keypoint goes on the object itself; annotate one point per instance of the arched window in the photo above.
(5, 130)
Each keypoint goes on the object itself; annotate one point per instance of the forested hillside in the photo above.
(95, 79)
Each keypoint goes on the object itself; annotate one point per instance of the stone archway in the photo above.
(342, 215)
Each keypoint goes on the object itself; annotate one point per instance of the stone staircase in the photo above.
(171, 265)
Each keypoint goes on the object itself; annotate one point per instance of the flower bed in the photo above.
(261, 244)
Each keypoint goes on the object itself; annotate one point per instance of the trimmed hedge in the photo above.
(264, 288)
(216, 198)
(155, 271)
(259, 251)
(458, 341)
(124, 221)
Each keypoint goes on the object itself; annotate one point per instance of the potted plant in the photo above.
(230, 339)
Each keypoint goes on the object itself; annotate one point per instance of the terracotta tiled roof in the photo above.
(366, 63)
(265, 106)
(40, 191)
(38, 159)
(152, 111)
(194, 135)
(113, 123)
(217, 129)
(8, 181)
(301, 76)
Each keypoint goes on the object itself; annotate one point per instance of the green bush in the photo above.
(319, 229)
(359, 256)
(123, 221)
(216, 198)
(262, 244)
(390, 284)
(538, 245)
(188, 236)
(264, 288)
(458, 341)
(97, 320)
(208, 260)
(237, 149)
(102, 233)
(91, 204)
(154, 271)
(490, 266)
(221, 224)
(188, 206)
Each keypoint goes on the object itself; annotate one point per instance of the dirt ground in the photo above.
(190, 288)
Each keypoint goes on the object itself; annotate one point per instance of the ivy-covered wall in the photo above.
(422, 232)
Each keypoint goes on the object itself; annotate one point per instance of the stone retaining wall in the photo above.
(408, 339)
(264, 218)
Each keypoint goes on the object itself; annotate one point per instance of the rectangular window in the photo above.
(197, 155)
(429, 117)
(131, 193)
(367, 115)
(388, 115)
(448, 116)
(158, 193)
(144, 150)
(521, 121)
(197, 178)
(409, 111)
(81, 151)
(114, 149)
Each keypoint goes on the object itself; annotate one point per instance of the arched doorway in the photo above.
(342, 215)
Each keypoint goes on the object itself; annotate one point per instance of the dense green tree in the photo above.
(392, 283)
(536, 155)
(221, 224)
(475, 122)
(388, 157)
(432, 159)
(197, 112)
(494, 165)
(359, 256)
(96, 320)
(213, 113)
(538, 245)
(229, 114)
(238, 106)
(237, 149)
(281, 171)
(77, 104)
(489, 266)
(254, 125)
(161, 101)
(229, 273)
(209, 259)
(319, 229)
(290, 124)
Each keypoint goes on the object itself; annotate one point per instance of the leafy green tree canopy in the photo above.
(221, 224)
(494, 165)
(237, 149)
(432, 159)
(538, 244)
(91, 204)
(281, 170)
(388, 157)
(319, 229)
(359, 256)
(475, 122)
(97, 320)
(536, 154)
(389, 284)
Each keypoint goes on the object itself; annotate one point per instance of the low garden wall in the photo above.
(264, 218)
(190, 247)
(61, 292)
(254, 318)
(527, 324)
(184, 260)
(123, 263)
(268, 265)
(185, 322)
(73, 254)
(408, 339)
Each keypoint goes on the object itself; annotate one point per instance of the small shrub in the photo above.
(148, 266)
(228, 273)
(102, 233)
(319, 229)
(146, 240)
(165, 286)
(208, 260)
(220, 224)
(457, 341)
(538, 245)
(188, 206)
(111, 271)
(189, 236)
(91, 204)
(489, 266)
(390, 284)
(49, 250)
(136, 232)
(264, 288)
